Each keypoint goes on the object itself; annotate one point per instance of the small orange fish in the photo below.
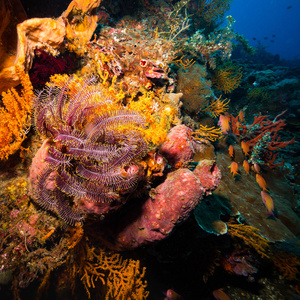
(220, 295)
(234, 167)
(256, 168)
(246, 166)
(241, 116)
(245, 147)
(230, 150)
(261, 182)
(224, 123)
(268, 202)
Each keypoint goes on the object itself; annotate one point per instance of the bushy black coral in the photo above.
(94, 146)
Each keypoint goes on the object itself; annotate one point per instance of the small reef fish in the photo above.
(224, 123)
(245, 147)
(241, 116)
(261, 182)
(230, 151)
(172, 295)
(234, 167)
(256, 168)
(268, 202)
(220, 295)
(246, 166)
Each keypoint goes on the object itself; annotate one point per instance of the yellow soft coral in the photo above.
(158, 117)
(15, 116)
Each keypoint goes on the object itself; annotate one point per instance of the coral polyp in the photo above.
(89, 158)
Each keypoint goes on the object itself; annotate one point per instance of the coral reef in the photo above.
(127, 156)
(262, 138)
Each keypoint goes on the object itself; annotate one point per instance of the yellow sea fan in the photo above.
(227, 78)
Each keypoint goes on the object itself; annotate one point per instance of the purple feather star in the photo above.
(90, 156)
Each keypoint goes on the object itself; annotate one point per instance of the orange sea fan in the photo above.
(15, 116)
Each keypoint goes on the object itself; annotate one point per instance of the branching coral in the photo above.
(93, 144)
(287, 264)
(15, 116)
(262, 138)
(159, 118)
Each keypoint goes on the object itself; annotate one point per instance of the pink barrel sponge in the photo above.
(178, 148)
(168, 205)
(37, 166)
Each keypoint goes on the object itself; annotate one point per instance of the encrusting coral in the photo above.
(15, 116)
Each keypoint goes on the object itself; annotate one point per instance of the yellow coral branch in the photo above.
(217, 107)
(204, 134)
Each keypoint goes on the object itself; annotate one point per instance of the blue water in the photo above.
(262, 19)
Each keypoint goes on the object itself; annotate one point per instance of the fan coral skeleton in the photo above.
(89, 159)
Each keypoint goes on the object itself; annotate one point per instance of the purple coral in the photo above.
(89, 157)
